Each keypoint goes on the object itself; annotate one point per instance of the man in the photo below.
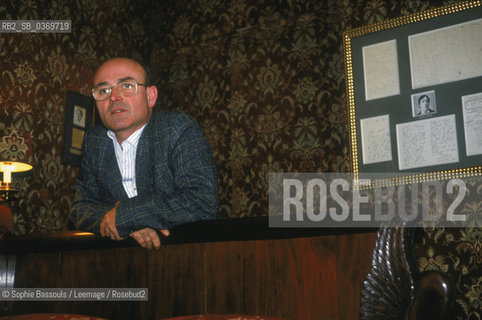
(145, 170)
(424, 105)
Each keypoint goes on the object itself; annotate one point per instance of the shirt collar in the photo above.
(133, 139)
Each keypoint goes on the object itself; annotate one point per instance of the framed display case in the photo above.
(79, 116)
(414, 94)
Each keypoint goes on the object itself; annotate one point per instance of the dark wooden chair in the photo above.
(394, 288)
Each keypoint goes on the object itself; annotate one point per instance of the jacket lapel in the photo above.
(143, 163)
(113, 178)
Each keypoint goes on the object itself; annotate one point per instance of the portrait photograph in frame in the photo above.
(424, 104)
(445, 77)
(80, 115)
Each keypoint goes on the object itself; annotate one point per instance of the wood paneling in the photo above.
(105, 268)
(284, 278)
(36, 270)
(176, 280)
(354, 253)
(305, 278)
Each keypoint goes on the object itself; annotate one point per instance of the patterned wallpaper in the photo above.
(264, 78)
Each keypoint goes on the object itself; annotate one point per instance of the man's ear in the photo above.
(151, 96)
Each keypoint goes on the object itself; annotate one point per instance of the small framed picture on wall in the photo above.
(80, 114)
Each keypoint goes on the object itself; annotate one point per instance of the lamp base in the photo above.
(6, 193)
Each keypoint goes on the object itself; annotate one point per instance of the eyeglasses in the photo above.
(126, 88)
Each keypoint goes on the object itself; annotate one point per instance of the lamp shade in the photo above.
(8, 167)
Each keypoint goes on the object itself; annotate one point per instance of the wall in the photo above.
(264, 79)
(36, 72)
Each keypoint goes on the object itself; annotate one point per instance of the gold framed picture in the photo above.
(414, 95)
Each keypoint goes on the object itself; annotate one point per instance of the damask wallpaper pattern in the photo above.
(264, 78)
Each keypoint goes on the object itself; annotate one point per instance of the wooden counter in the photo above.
(225, 266)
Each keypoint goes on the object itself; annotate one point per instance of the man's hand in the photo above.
(108, 227)
(148, 238)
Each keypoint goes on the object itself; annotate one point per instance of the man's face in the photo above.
(124, 115)
(424, 103)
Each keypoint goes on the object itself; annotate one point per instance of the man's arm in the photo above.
(89, 207)
(107, 225)
(193, 190)
(148, 238)
(189, 192)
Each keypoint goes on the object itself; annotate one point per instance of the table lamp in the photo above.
(7, 168)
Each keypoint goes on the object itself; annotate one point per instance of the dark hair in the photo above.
(147, 72)
(423, 96)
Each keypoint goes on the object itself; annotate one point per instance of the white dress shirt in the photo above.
(126, 159)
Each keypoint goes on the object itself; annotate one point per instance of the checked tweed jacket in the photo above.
(175, 176)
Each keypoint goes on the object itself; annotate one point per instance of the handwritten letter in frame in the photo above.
(427, 102)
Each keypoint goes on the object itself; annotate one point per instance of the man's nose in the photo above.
(115, 94)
